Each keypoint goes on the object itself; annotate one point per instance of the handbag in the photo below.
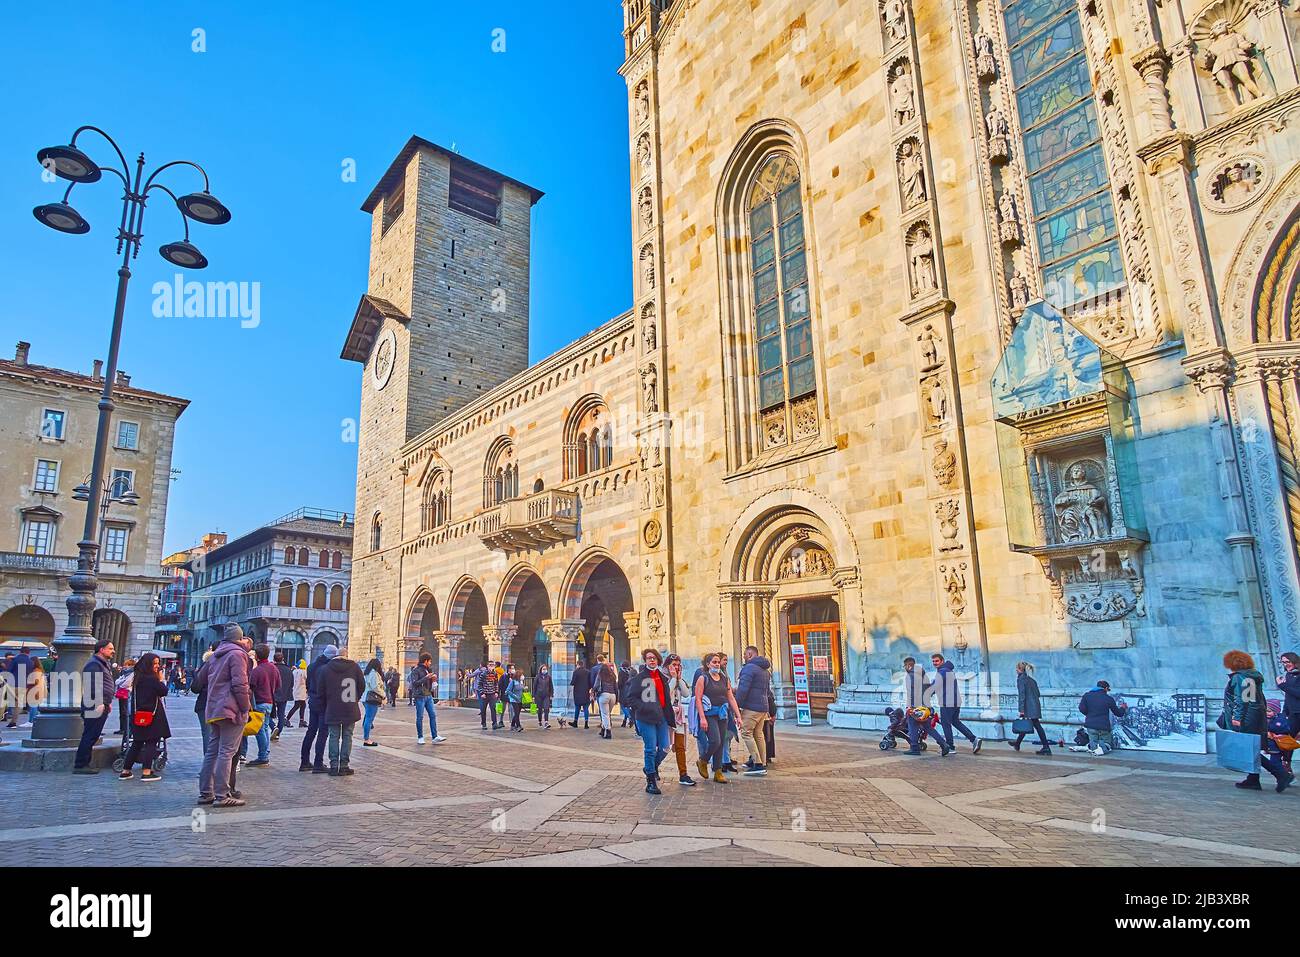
(501, 707)
(374, 697)
(142, 719)
(1237, 751)
(1022, 726)
(1286, 743)
(254, 725)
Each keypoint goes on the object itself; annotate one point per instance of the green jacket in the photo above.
(1243, 701)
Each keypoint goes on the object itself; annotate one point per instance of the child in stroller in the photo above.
(897, 730)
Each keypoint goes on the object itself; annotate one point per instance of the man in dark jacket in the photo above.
(916, 694)
(341, 683)
(1097, 706)
(283, 694)
(948, 698)
(97, 703)
(485, 687)
(646, 699)
(581, 685)
(265, 684)
(424, 685)
(1289, 682)
(316, 716)
(753, 688)
(625, 674)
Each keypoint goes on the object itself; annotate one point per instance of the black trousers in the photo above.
(300, 709)
(90, 732)
(279, 715)
(1042, 735)
(487, 702)
(316, 734)
(143, 751)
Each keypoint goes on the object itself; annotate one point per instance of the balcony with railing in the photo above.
(532, 521)
(22, 561)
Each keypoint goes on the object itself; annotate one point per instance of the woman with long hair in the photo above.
(375, 695)
(714, 702)
(1031, 707)
(148, 712)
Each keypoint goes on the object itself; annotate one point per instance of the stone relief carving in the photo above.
(654, 620)
(936, 401)
(652, 533)
(645, 491)
(930, 346)
(902, 93)
(650, 387)
(1008, 219)
(648, 267)
(806, 563)
(774, 428)
(947, 512)
(805, 417)
(643, 154)
(920, 255)
(954, 585)
(999, 133)
(944, 463)
(893, 16)
(1018, 287)
(1228, 56)
(986, 64)
(645, 206)
(911, 174)
(659, 487)
(1082, 510)
(1237, 184)
(642, 102)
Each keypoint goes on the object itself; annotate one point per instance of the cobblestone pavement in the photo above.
(565, 797)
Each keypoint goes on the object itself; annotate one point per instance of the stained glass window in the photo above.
(779, 271)
(1069, 187)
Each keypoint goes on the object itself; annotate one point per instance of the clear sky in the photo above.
(283, 96)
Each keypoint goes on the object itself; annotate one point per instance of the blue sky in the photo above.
(282, 96)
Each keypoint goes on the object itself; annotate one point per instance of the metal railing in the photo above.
(43, 563)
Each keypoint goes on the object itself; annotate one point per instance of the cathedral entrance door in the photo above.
(821, 642)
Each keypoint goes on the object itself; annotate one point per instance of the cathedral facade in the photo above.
(958, 327)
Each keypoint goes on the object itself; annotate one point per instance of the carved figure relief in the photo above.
(645, 205)
(650, 387)
(920, 254)
(805, 563)
(659, 487)
(1237, 185)
(996, 123)
(930, 343)
(645, 491)
(986, 64)
(1082, 510)
(936, 401)
(947, 511)
(1018, 286)
(642, 102)
(1008, 219)
(1228, 57)
(944, 463)
(649, 331)
(653, 533)
(911, 174)
(902, 94)
(954, 584)
(643, 155)
(654, 621)
(894, 17)
(648, 267)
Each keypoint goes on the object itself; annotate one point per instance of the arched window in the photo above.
(770, 329)
(304, 556)
(324, 560)
(302, 595)
(286, 594)
(376, 532)
(588, 438)
(336, 598)
(1073, 212)
(338, 559)
(500, 473)
(290, 556)
(434, 501)
(318, 597)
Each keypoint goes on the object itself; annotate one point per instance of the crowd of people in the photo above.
(249, 692)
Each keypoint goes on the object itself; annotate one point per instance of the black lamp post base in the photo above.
(53, 759)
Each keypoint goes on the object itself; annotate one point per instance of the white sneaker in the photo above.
(419, 740)
(437, 739)
(1099, 750)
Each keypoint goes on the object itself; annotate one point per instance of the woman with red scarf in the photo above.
(646, 697)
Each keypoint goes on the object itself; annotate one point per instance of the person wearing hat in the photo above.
(1097, 706)
(298, 681)
(228, 701)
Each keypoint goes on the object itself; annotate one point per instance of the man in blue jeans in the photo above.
(97, 701)
(646, 698)
(949, 700)
(424, 684)
(264, 681)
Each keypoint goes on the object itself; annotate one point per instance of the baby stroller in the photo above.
(897, 730)
(119, 762)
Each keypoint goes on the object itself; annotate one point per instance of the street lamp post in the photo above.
(60, 725)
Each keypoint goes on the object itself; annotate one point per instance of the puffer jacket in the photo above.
(342, 682)
(753, 684)
(1243, 702)
(946, 694)
(1097, 706)
(544, 689)
(229, 697)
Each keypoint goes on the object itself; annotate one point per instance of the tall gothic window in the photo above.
(501, 473)
(779, 277)
(1069, 188)
(433, 507)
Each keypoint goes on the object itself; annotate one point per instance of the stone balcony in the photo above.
(532, 521)
(21, 561)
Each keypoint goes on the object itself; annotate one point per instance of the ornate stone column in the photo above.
(632, 625)
(563, 634)
(1152, 65)
(499, 638)
(448, 663)
(410, 648)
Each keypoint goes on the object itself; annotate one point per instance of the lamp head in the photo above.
(62, 217)
(203, 207)
(184, 254)
(69, 162)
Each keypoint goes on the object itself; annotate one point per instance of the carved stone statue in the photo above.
(1082, 512)
(1009, 219)
(648, 267)
(659, 487)
(643, 155)
(646, 207)
(1228, 60)
(911, 174)
(650, 387)
(944, 463)
(936, 401)
(929, 347)
(642, 102)
(921, 254)
(1019, 287)
(894, 15)
(986, 66)
(954, 583)
(645, 491)
(998, 128)
(902, 99)
(649, 335)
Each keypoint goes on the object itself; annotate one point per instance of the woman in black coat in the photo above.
(1031, 706)
(544, 694)
(148, 698)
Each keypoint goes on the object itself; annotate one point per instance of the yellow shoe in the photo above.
(720, 778)
(704, 769)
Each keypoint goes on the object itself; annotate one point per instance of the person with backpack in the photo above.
(604, 688)
(424, 688)
(949, 701)
(376, 693)
(264, 680)
(580, 684)
(283, 694)
(543, 695)
(1097, 706)
(625, 674)
(148, 719)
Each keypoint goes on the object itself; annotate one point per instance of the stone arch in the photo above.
(422, 614)
(1259, 246)
(458, 600)
(523, 603)
(598, 592)
(113, 623)
(28, 622)
(738, 549)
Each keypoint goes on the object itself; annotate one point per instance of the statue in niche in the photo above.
(921, 254)
(1009, 225)
(642, 102)
(936, 401)
(1019, 287)
(659, 487)
(929, 347)
(649, 334)
(902, 99)
(650, 388)
(643, 155)
(894, 15)
(648, 267)
(647, 210)
(996, 122)
(944, 463)
(645, 491)
(1082, 512)
(954, 583)
(986, 65)
(1228, 60)
(911, 174)
(643, 450)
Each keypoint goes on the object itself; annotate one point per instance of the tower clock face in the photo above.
(385, 355)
